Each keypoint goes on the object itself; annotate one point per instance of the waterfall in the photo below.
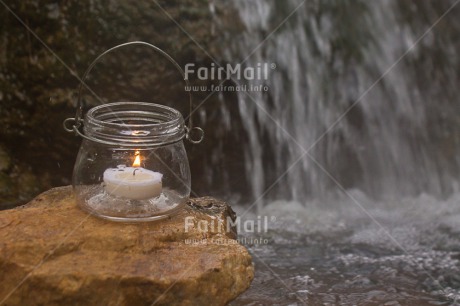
(401, 137)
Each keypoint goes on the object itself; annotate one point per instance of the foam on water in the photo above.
(331, 251)
(394, 238)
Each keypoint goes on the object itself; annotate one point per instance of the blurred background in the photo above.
(354, 147)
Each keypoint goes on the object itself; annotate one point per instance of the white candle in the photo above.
(134, 183)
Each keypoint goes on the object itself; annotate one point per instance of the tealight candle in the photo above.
(134, 183)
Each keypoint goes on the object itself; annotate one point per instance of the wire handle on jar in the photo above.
(77, 121)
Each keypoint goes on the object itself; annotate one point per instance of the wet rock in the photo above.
(52, 253)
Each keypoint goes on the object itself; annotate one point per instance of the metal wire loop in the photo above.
(189, 132)
(78, 121)
(66, 126)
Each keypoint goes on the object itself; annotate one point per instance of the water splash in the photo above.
(325, 256)
(396, 152)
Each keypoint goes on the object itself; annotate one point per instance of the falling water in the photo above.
(364, 87)
(370, 91)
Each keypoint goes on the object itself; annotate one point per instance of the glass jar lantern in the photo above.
(132, 165)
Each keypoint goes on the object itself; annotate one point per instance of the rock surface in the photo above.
(52, 253)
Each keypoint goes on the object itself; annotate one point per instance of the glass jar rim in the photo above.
(134, 124)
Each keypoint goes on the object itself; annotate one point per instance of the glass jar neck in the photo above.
(134, 124)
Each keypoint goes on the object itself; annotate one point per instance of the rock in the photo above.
(17, 183)
(5, 161)
(52, 253)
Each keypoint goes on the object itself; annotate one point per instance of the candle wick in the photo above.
(134, 172)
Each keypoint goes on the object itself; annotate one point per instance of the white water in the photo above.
(391, 236)
(399, 138)
(408, 253)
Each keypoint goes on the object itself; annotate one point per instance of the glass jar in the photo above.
(132, 165)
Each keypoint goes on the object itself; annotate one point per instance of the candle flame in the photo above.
(137, 160)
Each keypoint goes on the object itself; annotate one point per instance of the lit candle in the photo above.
(134, 182)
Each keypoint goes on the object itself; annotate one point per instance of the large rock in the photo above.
(52, 253)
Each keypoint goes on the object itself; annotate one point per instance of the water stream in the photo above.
(371, 92)
(408, 253)
(401, 136)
